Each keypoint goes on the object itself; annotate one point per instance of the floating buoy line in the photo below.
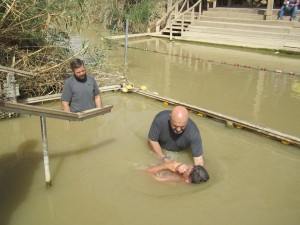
(237, 65)
(228, 121)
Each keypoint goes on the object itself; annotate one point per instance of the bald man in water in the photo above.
(175, 131)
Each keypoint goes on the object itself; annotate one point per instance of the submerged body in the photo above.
(179, 172)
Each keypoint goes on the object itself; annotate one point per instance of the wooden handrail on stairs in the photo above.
(166, 16)
(181, 16)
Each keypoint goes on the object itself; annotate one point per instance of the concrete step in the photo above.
(234, 40)
(252, 14)
(240, 26)
(257, 11)
(213, 13)
(274, 22)
(176, 27)
(239, 33)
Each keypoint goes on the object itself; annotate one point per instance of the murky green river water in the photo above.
(97, 166)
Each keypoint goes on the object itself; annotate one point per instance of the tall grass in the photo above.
(140, 14)
(32, 34)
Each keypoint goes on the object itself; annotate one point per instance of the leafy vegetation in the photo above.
(34, 35)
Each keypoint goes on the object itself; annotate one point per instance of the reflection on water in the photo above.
(97, 165)
(98, 176)
(231, 82)
(296, 89)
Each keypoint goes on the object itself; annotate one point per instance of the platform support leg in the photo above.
(45, 152)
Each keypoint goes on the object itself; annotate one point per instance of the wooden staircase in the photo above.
(245, 27)
(178, 25)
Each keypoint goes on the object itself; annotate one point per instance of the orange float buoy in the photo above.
(238, 126)
(285, 142)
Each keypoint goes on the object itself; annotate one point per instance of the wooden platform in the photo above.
(53, 113)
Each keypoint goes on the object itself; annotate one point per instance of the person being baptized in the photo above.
(176, 171)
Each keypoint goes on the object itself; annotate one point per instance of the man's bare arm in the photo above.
(65, 105)
(199, 161)
(155, 147)
(172, 166)
(98, 101)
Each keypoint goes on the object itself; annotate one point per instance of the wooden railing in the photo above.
(181, 16)
(178, 10)
(166, 17)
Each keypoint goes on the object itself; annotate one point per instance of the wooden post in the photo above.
(169, 5)
(182, 24)
(269, 12)
(45, 151)
(126, 43)
(193, 16)
(171, 30)
(11, 88)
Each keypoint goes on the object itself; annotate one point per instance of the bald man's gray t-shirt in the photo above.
(162, 132)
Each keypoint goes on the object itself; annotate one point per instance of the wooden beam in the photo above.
(53, 113)
(16, 71)
(53, 97)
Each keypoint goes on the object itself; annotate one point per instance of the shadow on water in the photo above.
(63, 155)
(17, 172)
(16, 176)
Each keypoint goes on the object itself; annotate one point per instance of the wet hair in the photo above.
(198, 175)
(76, 63)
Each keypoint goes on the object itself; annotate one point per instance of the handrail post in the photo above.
(157, 29)
(171, 29)
(269, 11)
(193, 16)
(182, 24)
(169, 6)
(200, 10)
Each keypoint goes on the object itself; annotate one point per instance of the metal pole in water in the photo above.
(126, 42)
(45, 151)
